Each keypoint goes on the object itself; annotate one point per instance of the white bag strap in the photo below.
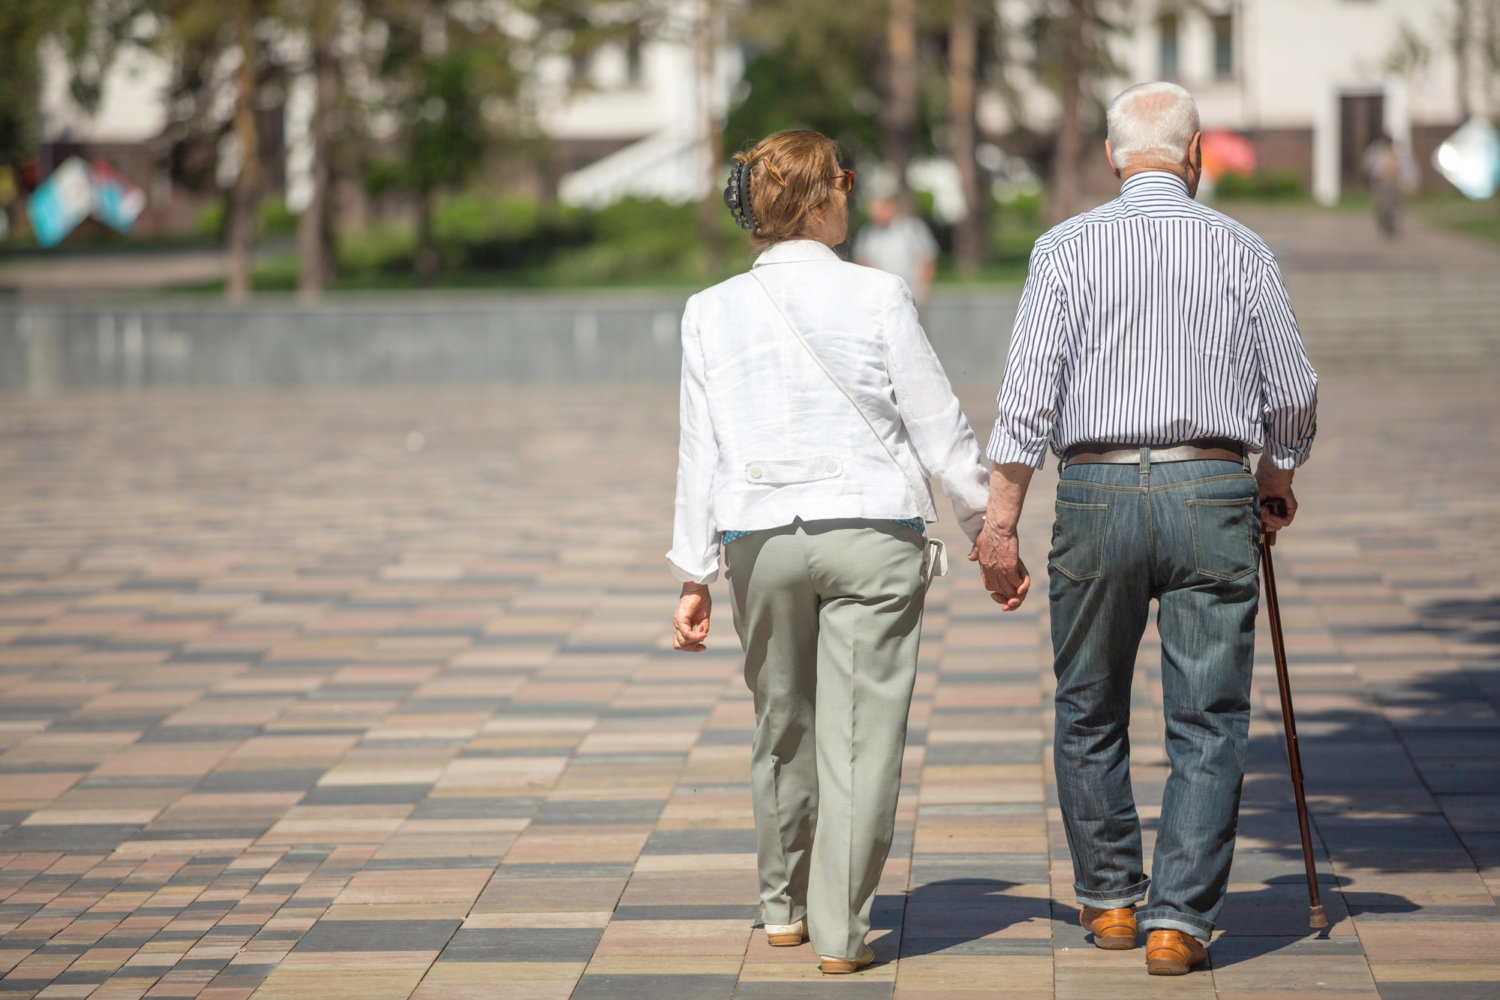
(935, 556)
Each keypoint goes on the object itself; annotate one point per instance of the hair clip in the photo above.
(737, 195)
(775, 173)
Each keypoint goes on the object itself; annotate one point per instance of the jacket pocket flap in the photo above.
(794, 470)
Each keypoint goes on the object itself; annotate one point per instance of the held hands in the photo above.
(690, 621)
(998, 553)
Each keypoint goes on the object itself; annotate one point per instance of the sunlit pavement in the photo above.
(368, 694)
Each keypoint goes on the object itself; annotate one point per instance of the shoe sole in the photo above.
(784, 940)
(840, 966)
(1115, 942)
(1166, 967)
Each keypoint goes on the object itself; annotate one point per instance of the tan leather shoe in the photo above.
(1172, 953)
(1113, 929)
(843, 966)
(786, 935)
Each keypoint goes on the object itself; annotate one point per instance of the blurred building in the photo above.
(1311, 82)
(637, 120)
(125, 129)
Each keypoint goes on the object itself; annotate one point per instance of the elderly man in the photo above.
(1154, 350)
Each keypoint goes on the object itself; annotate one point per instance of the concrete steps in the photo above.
(1394, 321)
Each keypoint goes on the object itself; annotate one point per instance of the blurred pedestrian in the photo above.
(1154, 351)
(1392, 174)
(814, 412)
(899, 243)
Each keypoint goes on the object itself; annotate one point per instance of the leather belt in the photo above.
(1203, 449)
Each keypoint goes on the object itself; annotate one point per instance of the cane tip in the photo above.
(1318, 919)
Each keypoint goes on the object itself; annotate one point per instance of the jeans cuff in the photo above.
(1159, 918)
(1113, 899)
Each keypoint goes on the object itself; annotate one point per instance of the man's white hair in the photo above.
(1154, 120)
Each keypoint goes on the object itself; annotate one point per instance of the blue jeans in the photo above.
(1188, 535)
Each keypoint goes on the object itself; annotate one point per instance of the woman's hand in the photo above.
(690, 622)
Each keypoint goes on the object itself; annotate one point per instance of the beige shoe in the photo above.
(1172, 953)
(786, 935)
(843, 966)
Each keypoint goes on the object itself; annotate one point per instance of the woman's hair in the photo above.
(791, 176)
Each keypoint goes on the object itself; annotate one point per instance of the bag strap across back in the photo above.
(937, 558)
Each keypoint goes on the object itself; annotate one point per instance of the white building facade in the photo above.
(1313, 82)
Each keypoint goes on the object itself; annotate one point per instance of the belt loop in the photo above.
(1245, 457)
(1145, 464)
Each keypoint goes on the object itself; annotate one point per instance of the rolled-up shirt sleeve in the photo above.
(1030, 393)
(695, 535)
(939, 431)
(1288, 384)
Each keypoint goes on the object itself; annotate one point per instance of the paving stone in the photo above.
(390, 739)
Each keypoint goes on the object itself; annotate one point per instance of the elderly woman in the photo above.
(813, 413)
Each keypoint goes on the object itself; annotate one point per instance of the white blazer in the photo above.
(766, 436)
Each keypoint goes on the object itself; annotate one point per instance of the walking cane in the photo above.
(1277, 506)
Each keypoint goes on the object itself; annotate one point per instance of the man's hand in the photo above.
(690, 622)
(1273, 483)
(998, 550)
(998, 553)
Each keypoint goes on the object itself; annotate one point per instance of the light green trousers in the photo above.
(830, 615)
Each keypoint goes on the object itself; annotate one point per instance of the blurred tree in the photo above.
(899, 114)
(314, 225)
(244, 202)
(1069, 53)
(88, 34)
(709, 35)
(811, 65)
(441, 62)
(231, 61)
(1074, 56)
(970, 240)
(452, 78)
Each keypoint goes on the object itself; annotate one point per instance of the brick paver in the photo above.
(297, 703)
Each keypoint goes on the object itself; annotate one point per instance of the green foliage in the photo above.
(210, 222)
(384, 175)
(1453, 212)
(23, 25)
(489, 241)
(783, 97)
(1271, 185)
(473, 217)
(815, 65)
(636, 239)
(275, 220)
(441, 62)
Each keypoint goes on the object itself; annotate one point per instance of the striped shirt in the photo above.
(1154, 320)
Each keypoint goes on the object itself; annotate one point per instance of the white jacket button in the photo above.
(833, 466)
(754, 472)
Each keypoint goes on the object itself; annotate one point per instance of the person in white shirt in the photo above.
(900, 244)
(814, 412)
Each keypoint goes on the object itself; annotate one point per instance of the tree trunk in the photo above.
(969, 241)
(901, 97)
(245, 199)
(427, 254)
(1462, 35)
(709, 220)
(313, 236)
(1069, 140)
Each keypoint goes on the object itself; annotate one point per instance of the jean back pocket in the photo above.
(1078, 540)
(1224, 537)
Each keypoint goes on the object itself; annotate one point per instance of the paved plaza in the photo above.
(369, 694)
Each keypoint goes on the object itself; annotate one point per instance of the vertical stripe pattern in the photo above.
(1154, 320)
